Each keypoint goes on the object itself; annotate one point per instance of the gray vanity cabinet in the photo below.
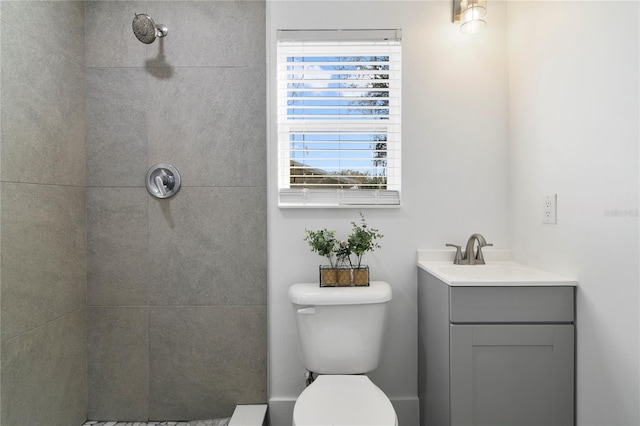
(495, 356)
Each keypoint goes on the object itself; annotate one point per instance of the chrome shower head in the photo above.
(146, 30)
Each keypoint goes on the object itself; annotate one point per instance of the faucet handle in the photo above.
(479, 256)
(458, 258)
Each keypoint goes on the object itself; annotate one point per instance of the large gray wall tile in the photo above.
(43, 245)
(205, 360)
(117, 246)
(118, 363)
(109, 39)
(195, 99)
(220, 33)
(210, 123)
(58, 25)
(44, 374)
(3, 24)
(43, 254)
(42, 113)
(116, 125)
(207, 246)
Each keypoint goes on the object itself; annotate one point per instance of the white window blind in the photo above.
(339, 117)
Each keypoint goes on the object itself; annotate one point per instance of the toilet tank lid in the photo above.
(313, 294)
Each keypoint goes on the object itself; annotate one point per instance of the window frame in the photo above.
(375, 40)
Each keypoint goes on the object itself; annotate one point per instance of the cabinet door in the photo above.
(520, 375)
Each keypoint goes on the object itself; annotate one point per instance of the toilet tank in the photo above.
(340, 329)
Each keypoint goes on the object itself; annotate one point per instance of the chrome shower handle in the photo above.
(163, 180)
(160, 185)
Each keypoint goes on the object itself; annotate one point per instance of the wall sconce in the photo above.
(470, 14)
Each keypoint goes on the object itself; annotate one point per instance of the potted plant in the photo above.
(325, 244)
(361, 240)
(341, 270)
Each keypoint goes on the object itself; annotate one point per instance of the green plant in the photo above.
(363, 239)
(323, 242)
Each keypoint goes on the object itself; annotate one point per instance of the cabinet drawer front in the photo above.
(512, 304)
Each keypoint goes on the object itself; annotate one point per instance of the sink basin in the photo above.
(498, 273)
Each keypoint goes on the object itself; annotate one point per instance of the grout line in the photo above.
(177, 306)
(212, 422)
(17, 182)
(44, 324)
(182, 186)
(178, 67)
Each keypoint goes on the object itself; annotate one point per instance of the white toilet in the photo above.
(340, 335)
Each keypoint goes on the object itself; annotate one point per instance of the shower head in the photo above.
(146, 30)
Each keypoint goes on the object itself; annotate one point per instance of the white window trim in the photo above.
(303, 197)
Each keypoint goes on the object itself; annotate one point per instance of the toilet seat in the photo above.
(343, 400)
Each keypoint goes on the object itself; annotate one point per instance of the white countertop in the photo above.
(499, 270)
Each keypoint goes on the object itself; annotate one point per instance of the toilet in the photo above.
(340, 335)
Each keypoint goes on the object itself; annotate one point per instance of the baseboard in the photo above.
(280, 411)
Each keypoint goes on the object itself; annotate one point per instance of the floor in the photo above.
(214, 422)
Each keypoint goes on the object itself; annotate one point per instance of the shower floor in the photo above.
(215, 422)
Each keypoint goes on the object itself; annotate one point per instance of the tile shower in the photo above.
(115, 305)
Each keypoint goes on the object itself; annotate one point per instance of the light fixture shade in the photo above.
(471, 15)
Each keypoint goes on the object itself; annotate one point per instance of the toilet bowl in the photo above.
(343, 400)
(340, 334)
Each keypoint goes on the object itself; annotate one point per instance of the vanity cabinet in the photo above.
(495, 355)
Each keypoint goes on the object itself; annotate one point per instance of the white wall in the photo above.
(455, 177)
(574, 90)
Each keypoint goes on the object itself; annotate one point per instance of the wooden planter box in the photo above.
(328, 276)
(343, 277)
(361, 276)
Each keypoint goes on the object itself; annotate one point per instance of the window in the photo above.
(339, 117)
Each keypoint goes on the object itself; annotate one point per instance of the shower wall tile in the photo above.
(214, 33)
(205, 360)
(118, 363)
(109, 39)
(1, 49)
(211, 123)
(42, 113)
(58, 25)
(43, 254)
(194, 263)
(207, 246)
(116, 126)
(117, 246)
(44, 374)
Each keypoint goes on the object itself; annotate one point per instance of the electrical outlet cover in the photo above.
(550, 212)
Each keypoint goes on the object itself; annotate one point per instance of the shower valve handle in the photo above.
(160, 184)
(163, 180)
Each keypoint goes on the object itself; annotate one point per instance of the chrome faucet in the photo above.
(469, 257)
